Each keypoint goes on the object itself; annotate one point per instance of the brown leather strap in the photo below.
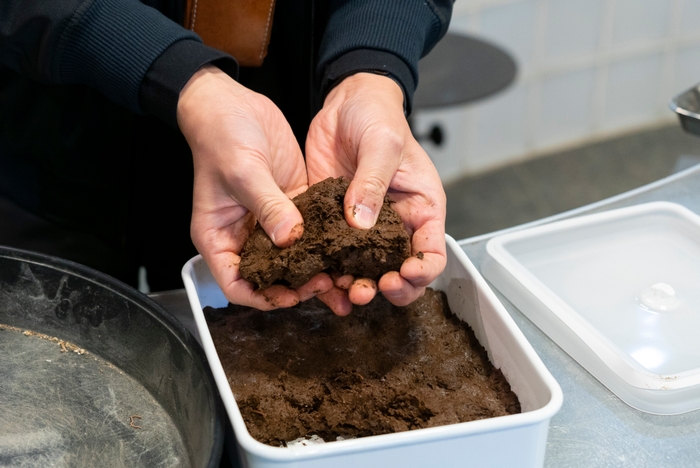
(238, 27)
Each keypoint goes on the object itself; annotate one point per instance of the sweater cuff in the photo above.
(160, 89)
(370, 61)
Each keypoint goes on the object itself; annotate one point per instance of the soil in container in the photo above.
(302, 372)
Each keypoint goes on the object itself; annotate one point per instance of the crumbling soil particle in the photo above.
(304, 371)
(65, 346)
(328, 243)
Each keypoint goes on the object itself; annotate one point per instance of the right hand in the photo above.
(361, 133)
(247, 166)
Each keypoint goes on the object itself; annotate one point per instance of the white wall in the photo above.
(587, 69)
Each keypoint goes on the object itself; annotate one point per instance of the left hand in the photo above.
(247, 164)
(362, 134)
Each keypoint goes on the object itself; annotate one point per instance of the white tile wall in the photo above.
(501, 128)
(687, 69)
(632, 91)
(566, 107)
(587, 69)
(640, 20)
(690, 21)
(460, 24)
(572, 27)
(512, 26)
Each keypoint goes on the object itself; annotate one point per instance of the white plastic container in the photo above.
(619, 291)
(513, 440)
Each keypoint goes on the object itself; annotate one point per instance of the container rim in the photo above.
(156, 310)
(611, 355)
(365, 444)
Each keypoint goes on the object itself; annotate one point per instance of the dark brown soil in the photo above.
(304, 371)
(328, 243)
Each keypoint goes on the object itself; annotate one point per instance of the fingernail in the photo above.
(364, 216)
(365, 283)
(283, 228)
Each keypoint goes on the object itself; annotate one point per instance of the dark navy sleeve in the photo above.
(386, 37)
(109, 45)
(172, 70)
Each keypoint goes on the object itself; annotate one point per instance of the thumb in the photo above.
(371, 181)
(275, 212)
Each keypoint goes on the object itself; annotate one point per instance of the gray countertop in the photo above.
(594, 428)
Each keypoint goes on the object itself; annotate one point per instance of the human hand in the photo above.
(361, 133)
(246, 163)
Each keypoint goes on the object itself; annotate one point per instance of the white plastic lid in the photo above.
(626, 282)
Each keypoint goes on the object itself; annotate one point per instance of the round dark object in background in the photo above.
(461, 69)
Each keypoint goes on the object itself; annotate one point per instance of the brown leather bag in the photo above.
(238, 27)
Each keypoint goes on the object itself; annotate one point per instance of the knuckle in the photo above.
(375, 185)
(269, 209)
(389, 137)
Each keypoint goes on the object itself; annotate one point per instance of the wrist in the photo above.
(367, 84)
(203, 95)
(369, 61)
(170, 72)
(193, 88)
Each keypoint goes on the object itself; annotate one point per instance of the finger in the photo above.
(429, 254)
(317, 285)
(423, 269)
(362, 291)
(379, 156)
(273, 209)
(275, 297)
(398, 290)
(224, 268)
(265, 197)
(337, 300)
(344, 282)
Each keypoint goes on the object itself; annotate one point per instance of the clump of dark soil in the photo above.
(303, 371)
(328, 243)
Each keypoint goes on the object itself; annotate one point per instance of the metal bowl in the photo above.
(687, 106)
(94, 373)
